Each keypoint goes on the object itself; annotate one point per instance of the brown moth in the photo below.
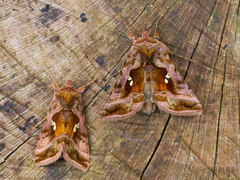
(64, 133)
(149, 79)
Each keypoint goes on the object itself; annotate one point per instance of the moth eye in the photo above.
(54, 125)
(166, 81)
(131, 82)
(167, 76)
(75, 127)
(129, 78)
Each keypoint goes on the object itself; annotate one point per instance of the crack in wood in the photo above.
(33, 77)
(17, 148)
(219, 47)
(167, 11)
(139, 14)
(124, 163)
(17, 61)
(225, 74)
(75, 54)
(184, 78)
(102, 89)
(221, 98)
(201, 32)
(235, 144)
(156, 147)
(201, 65)
(195, 154)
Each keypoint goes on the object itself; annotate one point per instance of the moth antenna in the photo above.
(40, 122)
(90, 82)
(156, 34)
(90, 128)
(54, 83)
(182, 57)
(82, 88)
(130, 34)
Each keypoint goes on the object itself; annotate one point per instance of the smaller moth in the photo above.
(149, 80)
(64, 133)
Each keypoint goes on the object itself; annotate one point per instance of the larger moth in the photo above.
(64, 133)
(149, 80)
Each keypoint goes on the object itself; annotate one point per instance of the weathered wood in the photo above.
(81, 40)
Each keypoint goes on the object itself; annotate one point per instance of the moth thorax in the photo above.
(148, 67)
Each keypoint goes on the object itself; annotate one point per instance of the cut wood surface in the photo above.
(81, 40)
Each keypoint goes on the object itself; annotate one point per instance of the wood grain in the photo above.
(81, 40)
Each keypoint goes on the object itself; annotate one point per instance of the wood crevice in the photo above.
(201, 32)
(23, 143)
(156, 147)
(195, 154)
(221, 98)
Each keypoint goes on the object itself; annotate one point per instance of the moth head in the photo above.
(67, 92)
(69, 84)
(145, 34)
(145, 45)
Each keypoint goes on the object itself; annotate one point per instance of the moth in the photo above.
(64, 133)
(148, 80)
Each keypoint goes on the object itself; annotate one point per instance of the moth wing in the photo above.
(127, 95)
(172, 94)
(47, 152)
(77, 152)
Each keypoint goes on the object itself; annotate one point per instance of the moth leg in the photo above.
(40, 122)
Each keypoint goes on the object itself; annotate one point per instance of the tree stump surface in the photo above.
(81, 40)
